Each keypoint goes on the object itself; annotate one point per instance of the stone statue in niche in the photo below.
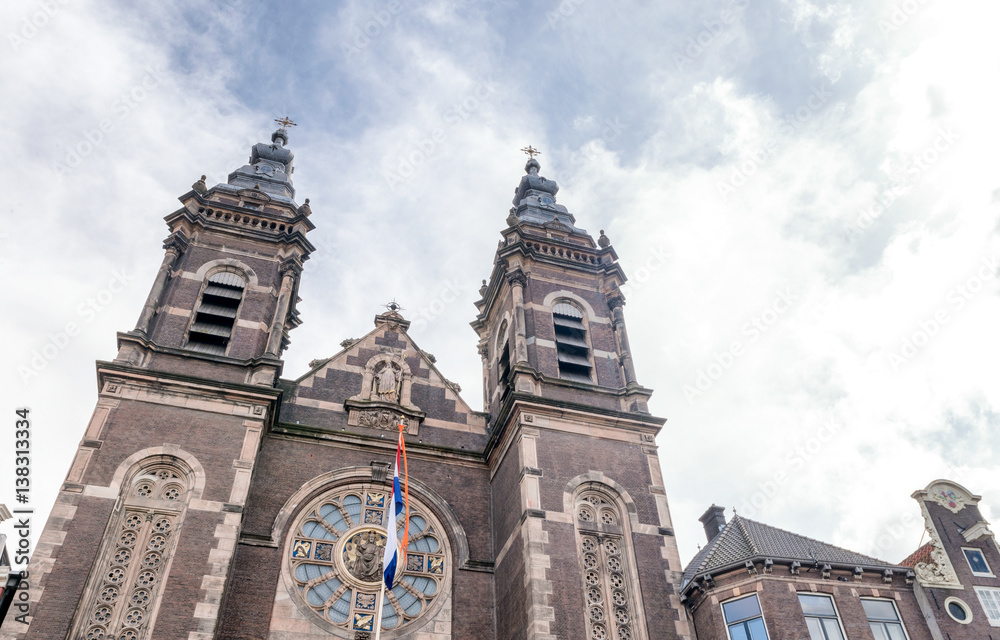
(387, 383)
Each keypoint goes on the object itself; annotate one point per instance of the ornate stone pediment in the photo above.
(940, 572)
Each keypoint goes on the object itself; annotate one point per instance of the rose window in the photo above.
(335, 563)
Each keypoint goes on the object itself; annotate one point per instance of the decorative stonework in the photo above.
(335, 564)
(949, 497)
(384, 400)
(608, 573)
(381, 419)
(125, 587)
(939, 572)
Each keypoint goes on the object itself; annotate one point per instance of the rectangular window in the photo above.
(977, 562)
(744, 619)
(821, 617)
(884, 619)
(990, 599)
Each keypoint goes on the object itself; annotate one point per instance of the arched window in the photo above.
(610, 588)
(334, 559)
(572, 347)
(213, 323)
(131, 568)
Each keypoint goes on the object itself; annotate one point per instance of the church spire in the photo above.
(535, 199)
(270, 166)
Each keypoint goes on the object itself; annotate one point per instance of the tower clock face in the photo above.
(265, 168)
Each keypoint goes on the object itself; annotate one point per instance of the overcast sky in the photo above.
(803, 194)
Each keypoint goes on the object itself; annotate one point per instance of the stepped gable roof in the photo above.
(743, 539)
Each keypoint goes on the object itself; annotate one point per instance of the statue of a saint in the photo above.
(369, 557)
(387, 383)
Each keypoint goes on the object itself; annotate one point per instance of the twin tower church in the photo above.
(210, 498)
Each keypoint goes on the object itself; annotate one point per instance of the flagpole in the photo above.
(377, 623)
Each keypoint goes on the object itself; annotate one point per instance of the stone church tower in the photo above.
(212, 498)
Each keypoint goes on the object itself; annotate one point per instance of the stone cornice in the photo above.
(517, 403)
(250, 363)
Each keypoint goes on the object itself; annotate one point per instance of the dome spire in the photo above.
(270, 166)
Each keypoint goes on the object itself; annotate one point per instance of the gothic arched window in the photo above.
(609, 579)
(131, 568)
(572, 347)
(216, 316)
(335, 563)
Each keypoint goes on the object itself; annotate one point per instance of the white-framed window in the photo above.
(958, 610)
(977, 562)
(884, 620)
(821, 617)
(744, 619)
(989, 597)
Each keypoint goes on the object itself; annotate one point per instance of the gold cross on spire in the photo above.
(285, 122)
(531, 151)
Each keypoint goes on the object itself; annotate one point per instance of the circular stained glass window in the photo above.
(335, 556)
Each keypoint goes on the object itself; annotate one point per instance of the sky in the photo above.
(803, 194)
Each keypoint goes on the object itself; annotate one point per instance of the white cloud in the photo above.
(639, 148)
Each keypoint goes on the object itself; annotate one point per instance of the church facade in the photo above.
(210, 497)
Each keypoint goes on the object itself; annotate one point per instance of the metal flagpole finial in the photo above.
(531, 151)
(285, 122)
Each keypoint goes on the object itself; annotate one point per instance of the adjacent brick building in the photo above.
(756, 582)
(212, 498)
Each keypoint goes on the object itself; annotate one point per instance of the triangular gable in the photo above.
(375, 381)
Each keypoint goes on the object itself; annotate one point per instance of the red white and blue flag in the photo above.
(397, 510)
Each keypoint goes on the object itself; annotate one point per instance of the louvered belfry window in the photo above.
(216, 316)
(572, 347)
(503, 363)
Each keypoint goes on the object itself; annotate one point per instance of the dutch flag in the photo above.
(397, 509)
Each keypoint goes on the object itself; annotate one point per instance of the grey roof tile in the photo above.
(742, 539)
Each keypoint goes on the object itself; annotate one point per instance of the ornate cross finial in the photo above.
(394, 306)
(285, 122)
(531, 151)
